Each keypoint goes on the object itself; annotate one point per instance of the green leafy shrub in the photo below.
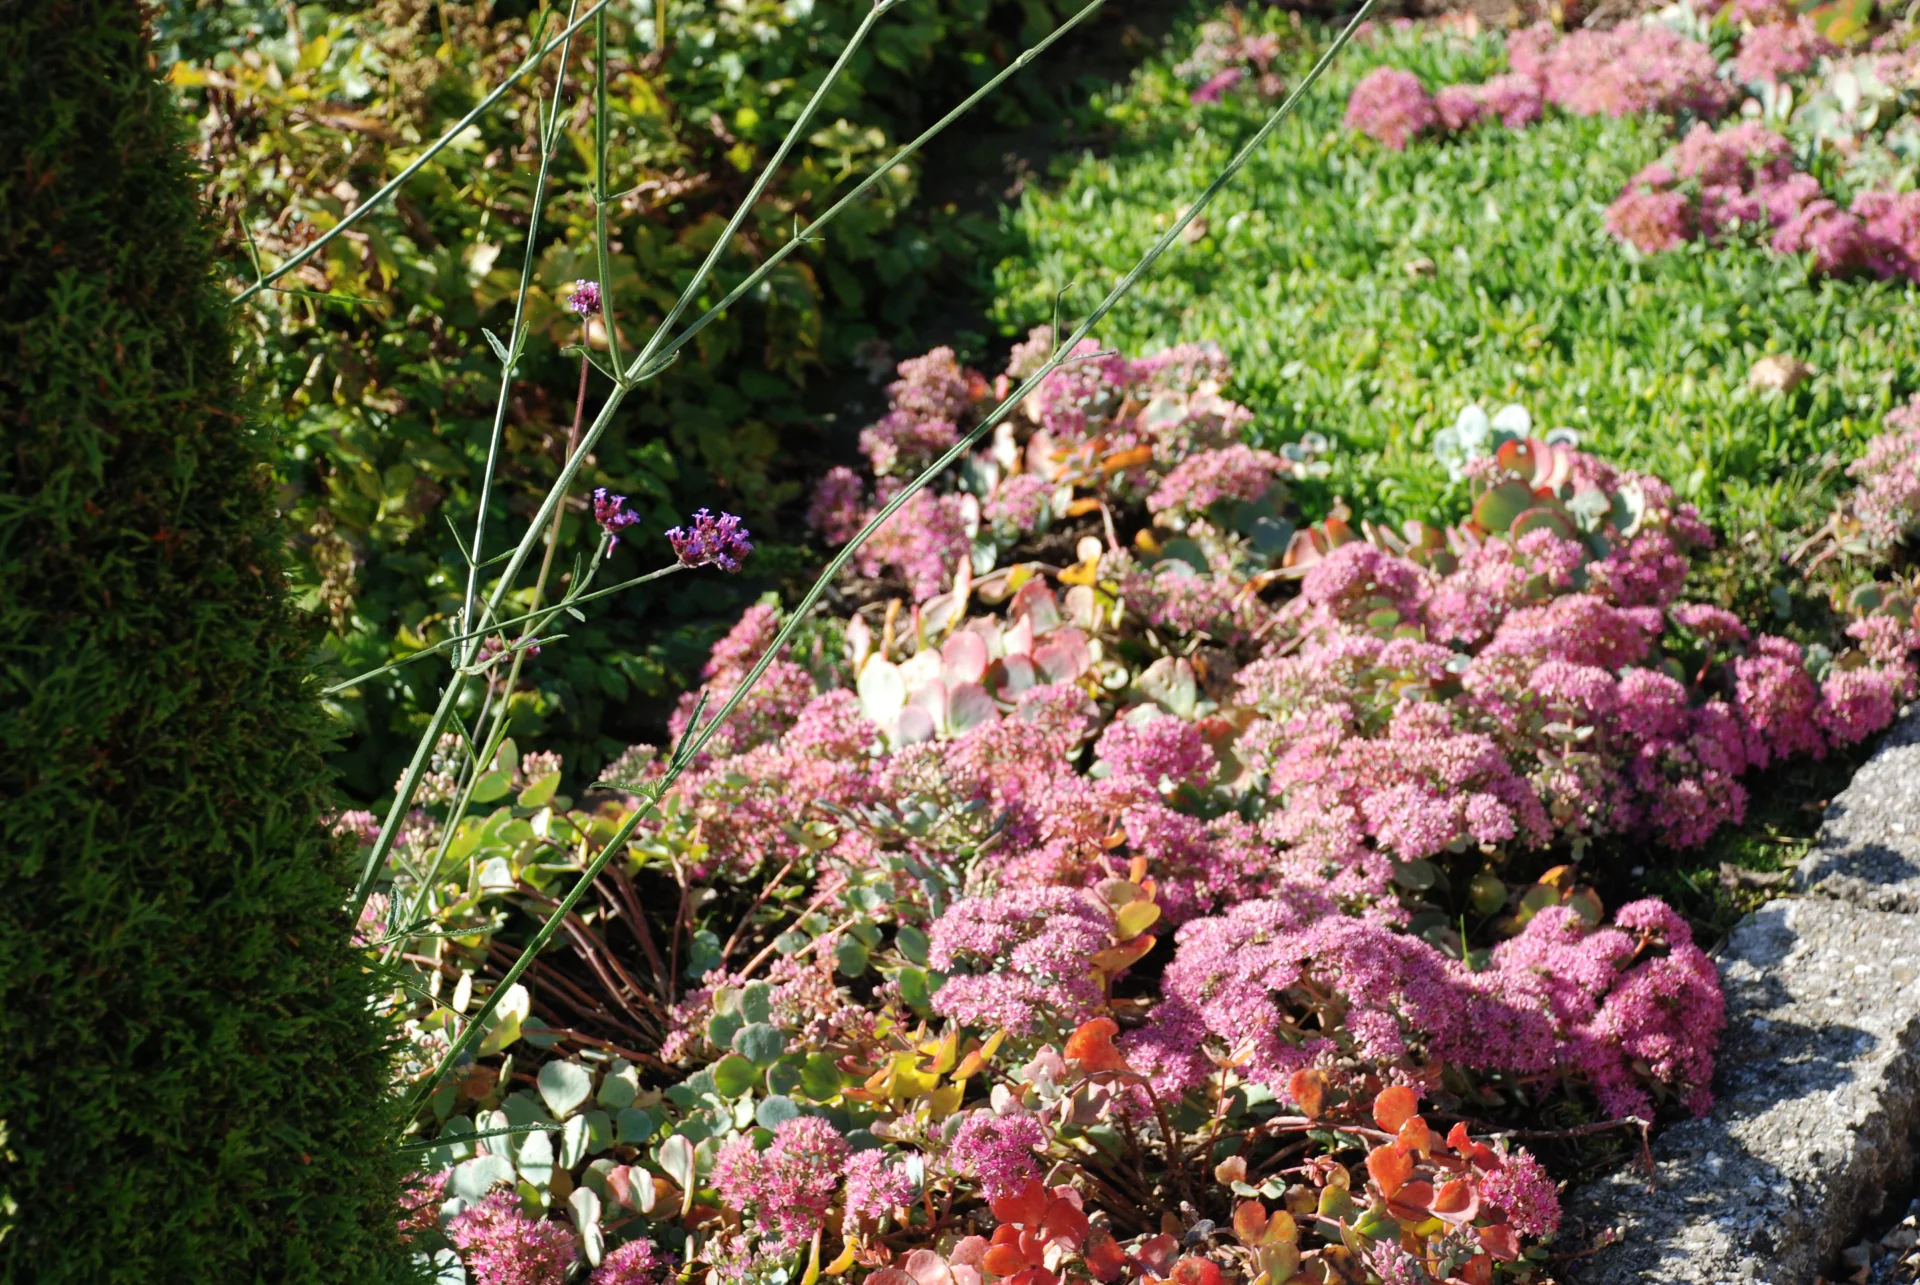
(379, 367)
(194, 1075)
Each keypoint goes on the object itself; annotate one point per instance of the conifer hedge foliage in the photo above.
(191, 1079)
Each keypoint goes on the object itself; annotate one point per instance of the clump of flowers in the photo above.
(1777, 49)
(1633, 68)
(638, 1262)
(1391, 107)
(790, 1184)
(1099, 431)
(717, 541)
(1887, 502)
(502, 1246)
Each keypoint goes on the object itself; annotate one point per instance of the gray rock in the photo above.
(1819, 1090)
(1869, 847)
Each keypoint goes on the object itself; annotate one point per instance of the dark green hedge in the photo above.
(190, 1074)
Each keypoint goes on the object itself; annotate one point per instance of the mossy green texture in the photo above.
(191, 1074)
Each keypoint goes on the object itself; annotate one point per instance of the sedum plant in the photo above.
(1031, 930)
(1102, 878)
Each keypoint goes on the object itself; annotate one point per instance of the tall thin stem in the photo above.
(545, 131)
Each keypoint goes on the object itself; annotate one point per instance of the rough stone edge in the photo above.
(1864, 857)
(1868, 850)
(1819, 1093)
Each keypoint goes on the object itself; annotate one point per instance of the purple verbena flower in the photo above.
(585, 299)
(613, 515)
(721, 541)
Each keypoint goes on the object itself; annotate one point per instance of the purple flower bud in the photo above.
(585, 298)
(721, 541)
(612, 513)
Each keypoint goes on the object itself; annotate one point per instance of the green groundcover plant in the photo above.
(1367, 292)
(193, 1069)
(372, 354)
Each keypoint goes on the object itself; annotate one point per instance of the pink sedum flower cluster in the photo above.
(1780, 49)
(1559, 997)
(502, 1246)
(1887, 502)
(1633, 68)
(790, 1185)
(1143, 428)
(1713, 182)
(1391, 107)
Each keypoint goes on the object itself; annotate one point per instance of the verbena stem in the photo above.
(548, 130)
(696, 739)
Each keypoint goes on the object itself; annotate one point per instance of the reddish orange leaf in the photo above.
(1309, 1089)
(1092, 1046)
(1394, 1107)
(1412, 1202)
(1003, 1260)
(1456, 1201)
(1194, 1270)
(1064, 1224)
(1104, 1257)
(1415, 1136)
(1477, 1270)
(1475, 1152)
(1249, 1220)
(1027, 1205)
(1030, 1276)
(1500, 1241)
(1389, 1167)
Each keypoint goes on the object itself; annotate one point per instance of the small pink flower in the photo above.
(1216, 85)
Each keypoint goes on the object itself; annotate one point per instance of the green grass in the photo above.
(1302, 278)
